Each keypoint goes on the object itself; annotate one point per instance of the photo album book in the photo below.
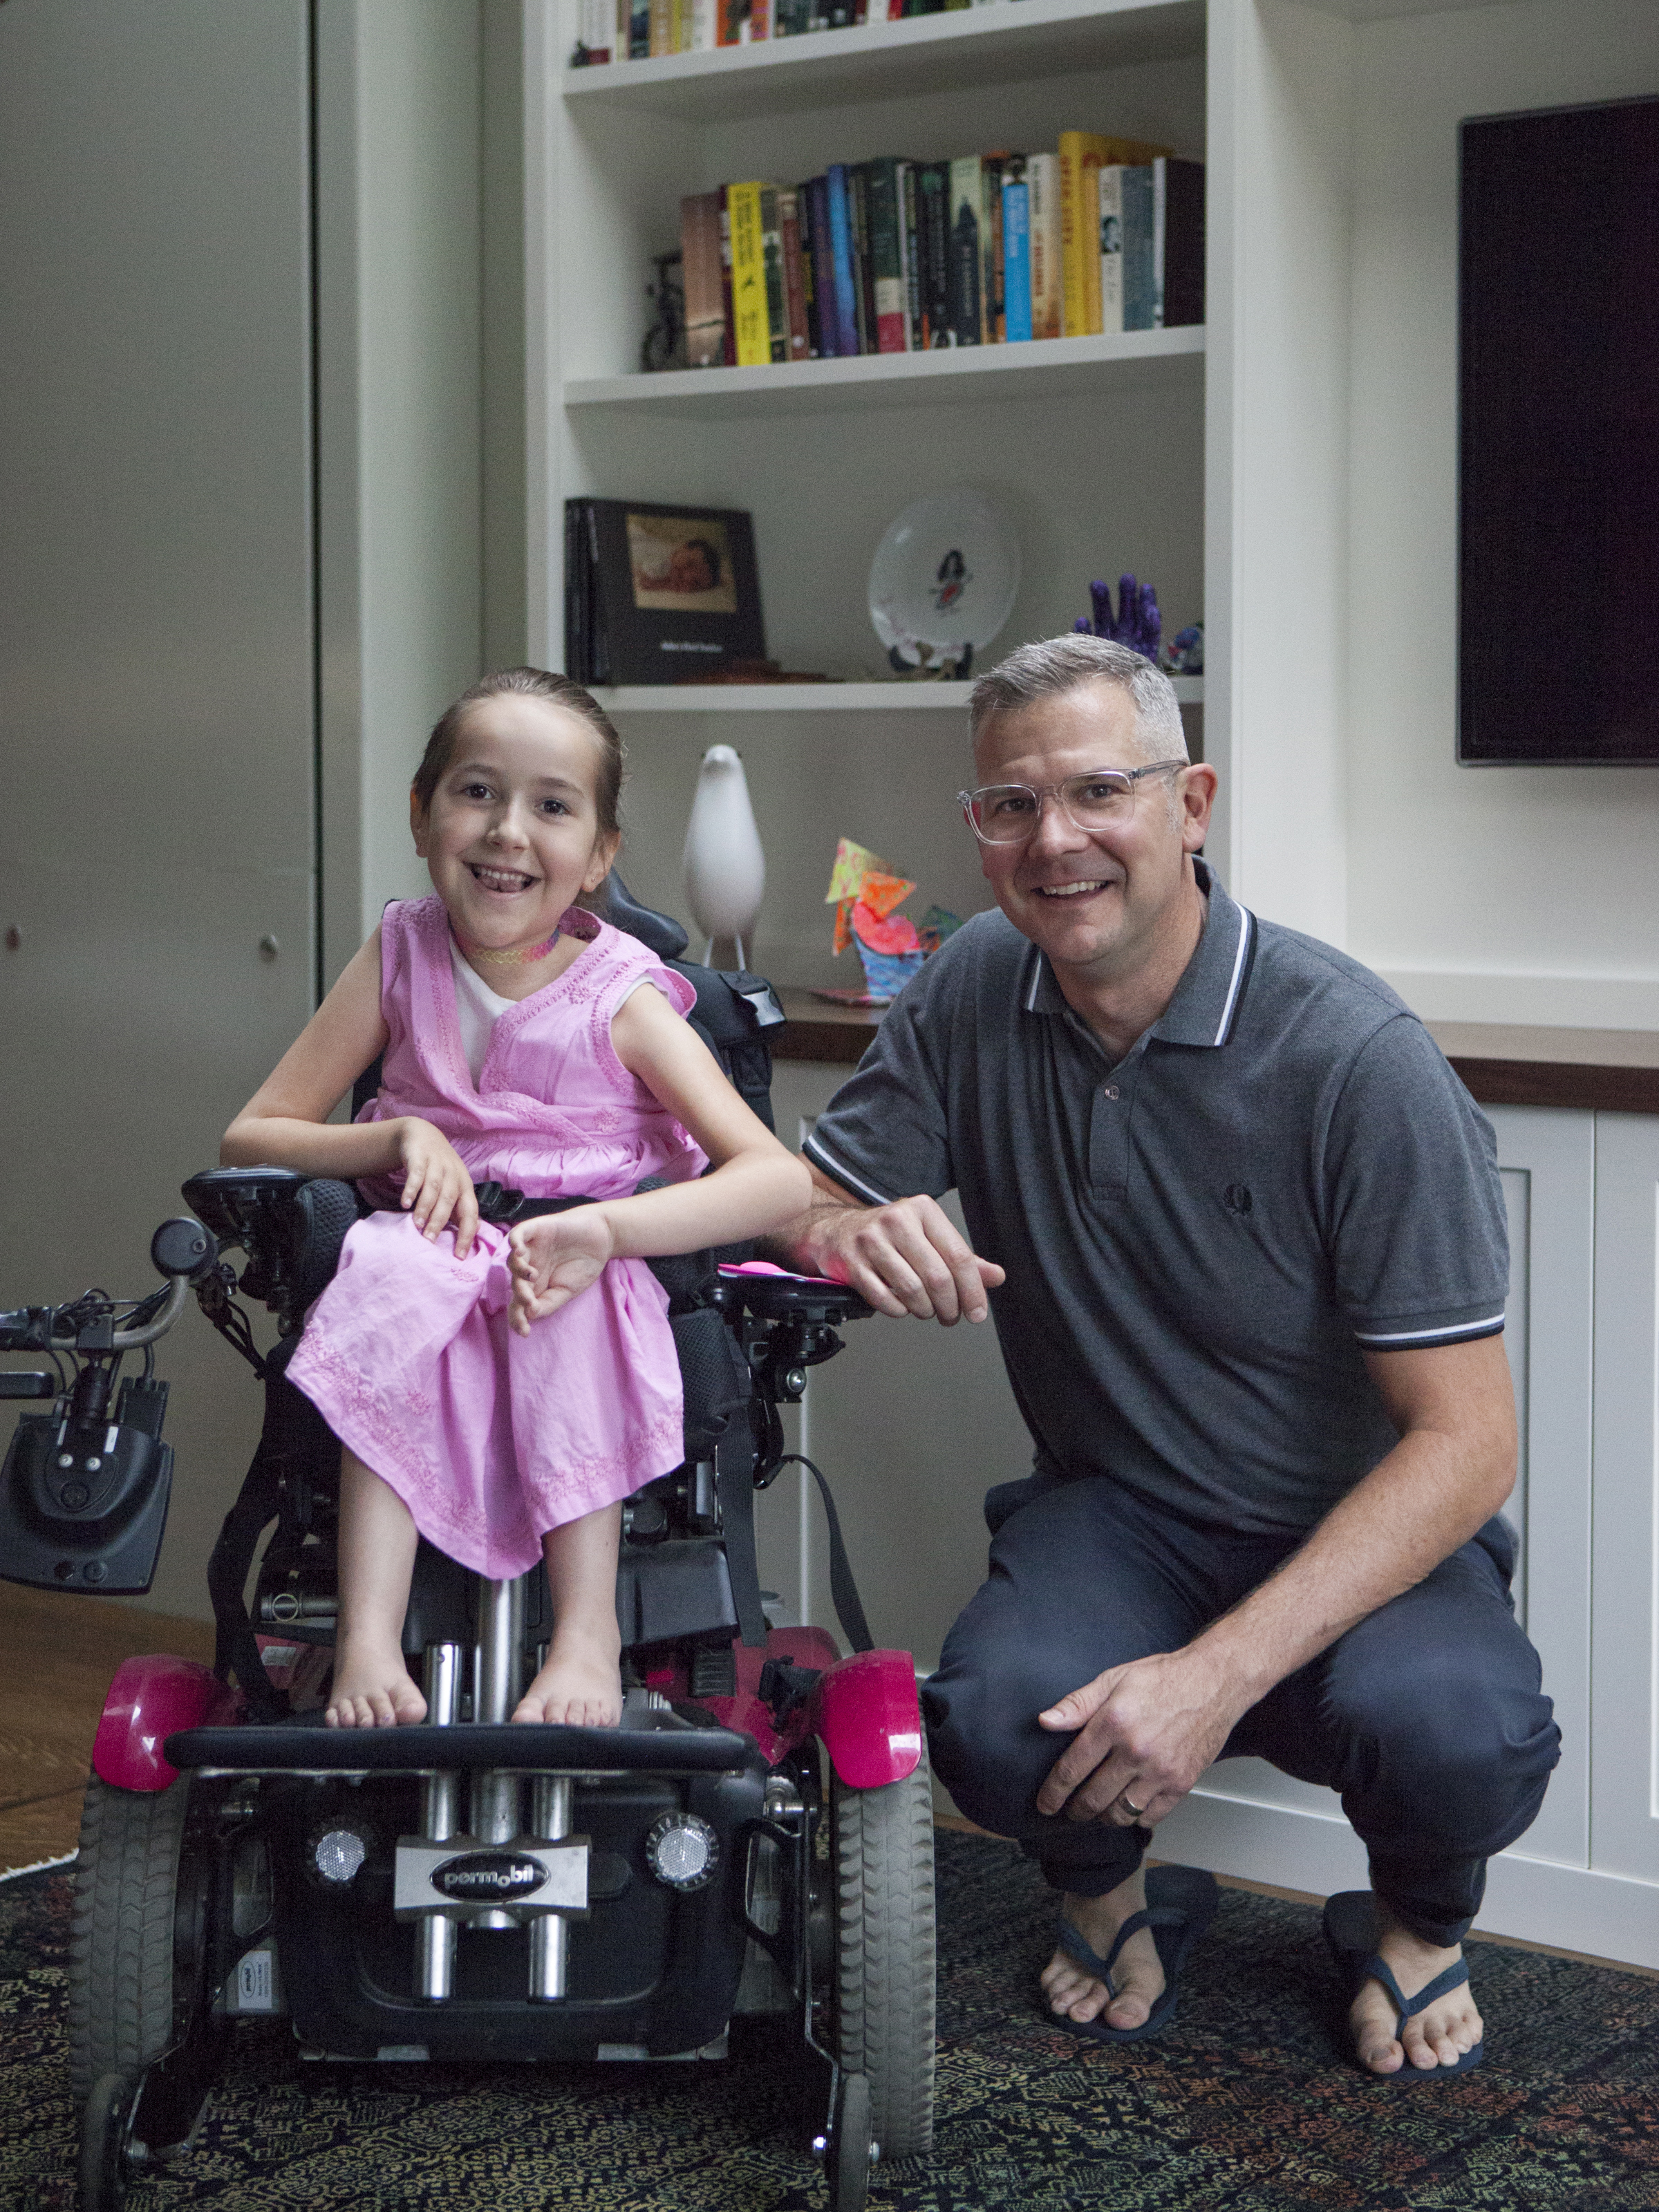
(659, 594)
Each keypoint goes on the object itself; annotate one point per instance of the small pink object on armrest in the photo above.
(786, 1274)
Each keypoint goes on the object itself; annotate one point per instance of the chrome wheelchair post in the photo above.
(495, 1802)
(550, 1932)
(434, 1956)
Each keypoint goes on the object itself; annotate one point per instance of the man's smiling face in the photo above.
(1096, 901)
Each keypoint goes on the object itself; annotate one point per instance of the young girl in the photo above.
(500, 1393)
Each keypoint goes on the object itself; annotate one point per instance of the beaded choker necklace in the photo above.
(515, 956)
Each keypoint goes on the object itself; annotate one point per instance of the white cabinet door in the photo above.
(1258, 1820)
(1547, 1157)
(1624, 1770)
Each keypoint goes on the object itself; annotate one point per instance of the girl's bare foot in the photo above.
(372, 1688)
(1073, 1991)
(1440, 2034)
(580, 1685)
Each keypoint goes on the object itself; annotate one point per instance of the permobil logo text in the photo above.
(491, 1876)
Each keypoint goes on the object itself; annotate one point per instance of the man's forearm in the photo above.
(1414, 1508)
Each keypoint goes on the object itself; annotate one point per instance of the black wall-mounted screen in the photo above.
(1558, 373)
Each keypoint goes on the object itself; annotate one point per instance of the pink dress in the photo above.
(488, 1437)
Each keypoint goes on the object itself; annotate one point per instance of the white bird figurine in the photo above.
(725, 867)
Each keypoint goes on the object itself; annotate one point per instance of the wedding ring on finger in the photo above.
(1129, 1804)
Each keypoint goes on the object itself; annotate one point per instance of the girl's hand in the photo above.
(552, 1258)
(437, 1187)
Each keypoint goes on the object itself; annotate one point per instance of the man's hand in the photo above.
(1147, 1732)
(437, 1188)
(552, 1258)
(905, 1258)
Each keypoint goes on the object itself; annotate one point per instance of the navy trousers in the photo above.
(1427, 1717)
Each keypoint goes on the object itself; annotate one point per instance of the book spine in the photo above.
(662, 27)
(777, 299)
(596, 632)
(967, 228)
(884, 218)
(749, 315)
(732, 22)
(760, 22)
(1016, 251)
(705, 25)
(864, 275)
(700, 271)
(1042, 180)
(1139, 288)
(800, 345)
(933, 250)
(820, 266)
(1074, 231)
(1159, 180)
(639, 31)
(991, 247)
(1111, 189)
(809, 282)
(729, 352)
(916, 320)
(841, 257)
(573, 635)
(1183, 243)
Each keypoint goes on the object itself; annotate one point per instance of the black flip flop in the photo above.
(1181, 1903)
(1350, 1931)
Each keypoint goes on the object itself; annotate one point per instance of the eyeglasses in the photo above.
(1008, 813)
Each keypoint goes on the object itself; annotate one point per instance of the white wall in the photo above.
(401, 261)
(1483, 894)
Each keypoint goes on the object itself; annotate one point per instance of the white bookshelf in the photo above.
(897, 698)
(1288, 474)
(981, 45)
(964, 376)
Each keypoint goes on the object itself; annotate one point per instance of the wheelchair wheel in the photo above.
(106, 2126)
(847, 2156)
(121, 1953)
(884, 1850)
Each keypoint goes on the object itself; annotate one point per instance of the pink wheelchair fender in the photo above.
(866, 1710)
(149, 1700)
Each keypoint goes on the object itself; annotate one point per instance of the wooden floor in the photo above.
(57, 1653)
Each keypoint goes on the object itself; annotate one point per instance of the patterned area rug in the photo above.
(1242, 2103)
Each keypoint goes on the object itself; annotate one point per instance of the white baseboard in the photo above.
(1608, 1915)
(1585, 1002)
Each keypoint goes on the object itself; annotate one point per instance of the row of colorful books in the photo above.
(641, 30)
(894, 256)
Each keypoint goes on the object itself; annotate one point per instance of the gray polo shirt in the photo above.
(1202, 1239)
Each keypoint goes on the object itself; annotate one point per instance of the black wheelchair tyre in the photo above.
(885, 1953)
(847, 2159)
(121, 1942)
(104, 2129)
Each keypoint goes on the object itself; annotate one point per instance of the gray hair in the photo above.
(1057, 664)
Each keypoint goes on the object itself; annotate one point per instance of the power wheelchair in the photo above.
(755, 1839)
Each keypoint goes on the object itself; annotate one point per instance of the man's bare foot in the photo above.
(580, 1685)
(372, 1688)
(1074, 1992)
(1439, 2035)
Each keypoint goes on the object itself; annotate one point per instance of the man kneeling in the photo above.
(1242, 1231)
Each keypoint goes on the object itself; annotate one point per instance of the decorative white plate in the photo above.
(945, 574)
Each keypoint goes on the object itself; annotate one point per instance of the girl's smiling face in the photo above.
(513, 836)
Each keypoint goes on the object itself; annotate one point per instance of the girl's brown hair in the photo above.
(530, 683)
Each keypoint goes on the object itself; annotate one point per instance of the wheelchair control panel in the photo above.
(86, 1486)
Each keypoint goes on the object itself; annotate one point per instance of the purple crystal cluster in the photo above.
(1136, 623)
